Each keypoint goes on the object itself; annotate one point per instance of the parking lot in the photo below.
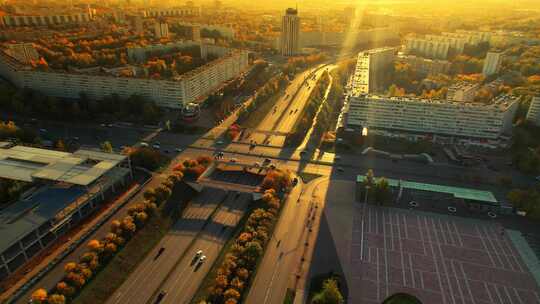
(438, 258)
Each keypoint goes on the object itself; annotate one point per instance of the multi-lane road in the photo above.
(149, 275)
(174, 277)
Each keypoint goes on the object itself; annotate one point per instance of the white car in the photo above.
(201, 259)
(219, 142)
(156, 146)
(198, 254)
(143, 144)
(178, 150)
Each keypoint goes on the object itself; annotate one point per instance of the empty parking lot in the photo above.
(438, 258)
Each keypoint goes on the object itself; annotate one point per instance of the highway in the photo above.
(154, 269)
(287, 108)
(168, 271)
(181, 285)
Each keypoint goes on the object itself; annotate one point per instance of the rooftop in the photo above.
(457, 192)
(24, 216)
(502, 101)
(80, 168)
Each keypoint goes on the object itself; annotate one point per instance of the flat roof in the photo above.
(457, 192)
(24, 216)
(81, 168)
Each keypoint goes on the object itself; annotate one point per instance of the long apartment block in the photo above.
(170, 93)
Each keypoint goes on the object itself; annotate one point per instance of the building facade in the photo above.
(184, 11)
(173, 93)
(44, 20)
(426, 66)
(67, 187)
(370, 67)
(447, 118)
(161, 30)
(533, 115)
(492, 63)
(462, 92)
(457, 44)
(427, 48)
(290, 32)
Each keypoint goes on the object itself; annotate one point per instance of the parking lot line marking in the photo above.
(452, 265)
(440, 254)
(466, 280)
(424, 222)
(517, 296)
(485, 246)
(458, 234)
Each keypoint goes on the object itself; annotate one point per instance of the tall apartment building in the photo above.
(426, 66)
(370, 68)
(189, 31)
(427, 48)
(462, 92)
(137, 23)
(457, 44)
(161, 29)
(492, 63)
(435, 117)
(533, 115)
(474, 36)
(290, 32)
(172, 93)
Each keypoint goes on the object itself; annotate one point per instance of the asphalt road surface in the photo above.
(150, 273)
(182, 284)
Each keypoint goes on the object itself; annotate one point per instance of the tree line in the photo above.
(27, 102)
(315, 99)
(235, 273)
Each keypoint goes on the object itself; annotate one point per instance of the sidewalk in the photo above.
(55, 256)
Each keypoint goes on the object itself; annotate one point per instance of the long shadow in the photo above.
(325, 258)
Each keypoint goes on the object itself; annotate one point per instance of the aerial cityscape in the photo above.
(276, 152)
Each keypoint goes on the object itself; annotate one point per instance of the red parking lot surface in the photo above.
(437, 258)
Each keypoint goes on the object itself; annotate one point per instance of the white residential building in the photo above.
(492, 63)
(462, 92)
(290, 32)
(427, 48)
(533, 116)
(370, 66)
(435, 117)
(44, 20)
(171, 93)
(457, 44)
(184, 11)
(161, 30)
(426, 66)
(475, 37)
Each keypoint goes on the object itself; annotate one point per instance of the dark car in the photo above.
(160, 297)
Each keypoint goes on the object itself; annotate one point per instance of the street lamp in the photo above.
(367, 190)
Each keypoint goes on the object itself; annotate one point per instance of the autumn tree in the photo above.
(329, 294)
(39, 296)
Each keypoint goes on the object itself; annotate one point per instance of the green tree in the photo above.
(329, 294)
(106, 147)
